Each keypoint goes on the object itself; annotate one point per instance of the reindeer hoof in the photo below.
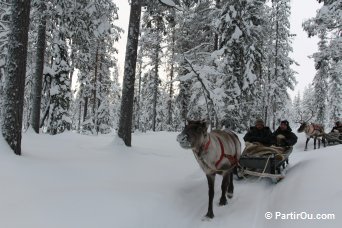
(223, 201)
(209, 215)
(230, 195)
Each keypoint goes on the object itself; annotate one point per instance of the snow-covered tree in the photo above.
(308, 104)
(241, 28)
(320, 82)
(194, 44)
(327, 22)
(279, 76)
(5, 7)
(297, 108)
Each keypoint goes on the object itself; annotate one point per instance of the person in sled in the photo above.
(259, 134)
(337, 128)
(284, 136)
(336, 133)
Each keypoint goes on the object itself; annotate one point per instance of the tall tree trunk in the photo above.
(72, 65)
(79, 116)
(99, 99)
(155, 87)
(126, 113)
(15, 74)
(276, 63)
(95, 89)
(37, 80)
(139, 94)
(216, 37)
(169, 118)
(85, 108)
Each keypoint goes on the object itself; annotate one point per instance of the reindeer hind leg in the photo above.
(231, 187)
(224, 187)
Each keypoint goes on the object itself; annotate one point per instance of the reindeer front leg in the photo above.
(306, 144)
(211, 182)
(319, 143)
(231, 186)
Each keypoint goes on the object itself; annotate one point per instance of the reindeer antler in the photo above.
(312, 115)
(300, 113)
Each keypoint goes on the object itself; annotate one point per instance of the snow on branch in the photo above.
(205, 89)
(170, 3)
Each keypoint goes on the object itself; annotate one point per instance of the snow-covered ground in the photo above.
(77, 181)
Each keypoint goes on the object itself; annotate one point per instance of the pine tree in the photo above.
(327, 21)
(335, 92)
(5, 8)
(59, 117)
(195, 41)
(14, 83)
(308, 104)
(152, 33)
(240, 22)
(320, 80)
(297, 108)
(147, 95)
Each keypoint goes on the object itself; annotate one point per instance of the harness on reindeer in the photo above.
(232, 159)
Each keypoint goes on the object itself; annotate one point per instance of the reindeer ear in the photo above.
(188, 121)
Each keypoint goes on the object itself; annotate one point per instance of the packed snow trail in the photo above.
(71, 180)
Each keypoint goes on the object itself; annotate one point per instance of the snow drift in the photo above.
(71, 180)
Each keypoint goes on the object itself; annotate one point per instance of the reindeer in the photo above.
(216, 152)
(312, 130)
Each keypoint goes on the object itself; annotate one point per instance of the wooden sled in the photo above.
(267, 162)
(333, 138)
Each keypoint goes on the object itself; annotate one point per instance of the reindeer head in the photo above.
(302, 127)
(193, 135)
(304, 123)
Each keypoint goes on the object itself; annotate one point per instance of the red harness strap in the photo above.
(232, 159)
(206, 146)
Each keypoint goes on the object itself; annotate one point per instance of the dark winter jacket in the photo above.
(263, 135)
(290, 137)
(339, 129)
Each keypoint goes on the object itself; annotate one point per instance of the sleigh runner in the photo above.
(333, 138)
(262, 161)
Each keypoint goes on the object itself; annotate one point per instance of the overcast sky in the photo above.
(302, 45)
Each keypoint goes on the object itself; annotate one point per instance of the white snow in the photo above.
(72, 180)
(237, 33)
(168, 2)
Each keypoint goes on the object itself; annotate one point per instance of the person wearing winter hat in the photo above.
(259, 134)
(337, 127)
(284, 136)
(336, 132)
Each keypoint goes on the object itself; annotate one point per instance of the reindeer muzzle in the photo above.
(183, 141)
